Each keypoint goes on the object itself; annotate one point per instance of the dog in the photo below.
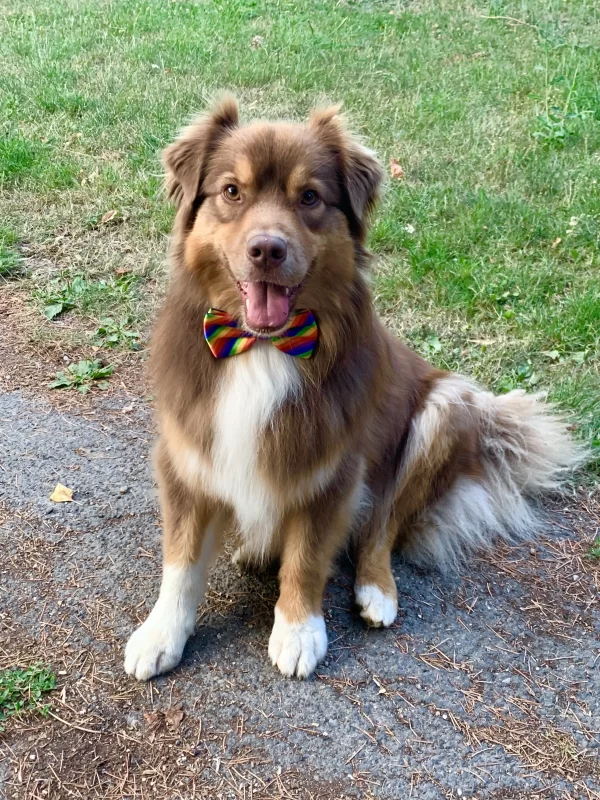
(319, 430)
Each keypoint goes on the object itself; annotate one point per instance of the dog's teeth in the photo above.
(287, 292)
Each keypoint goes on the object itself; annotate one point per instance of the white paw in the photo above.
(376, 608)
(154, 648)
(157, 645)
(297, 647)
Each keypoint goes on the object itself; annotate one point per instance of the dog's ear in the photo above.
(362, 174)
(185, 160)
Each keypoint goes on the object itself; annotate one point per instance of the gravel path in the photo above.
(487, 687)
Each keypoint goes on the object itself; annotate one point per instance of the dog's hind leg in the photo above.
(375, 588)
(441, 445)
(246, 561)
(192, 529)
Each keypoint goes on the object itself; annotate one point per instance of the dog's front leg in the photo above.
(311, 539)
(192, 531)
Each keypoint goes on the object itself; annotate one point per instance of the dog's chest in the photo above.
(254, 388)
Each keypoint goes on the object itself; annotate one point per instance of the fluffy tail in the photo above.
(525, 451)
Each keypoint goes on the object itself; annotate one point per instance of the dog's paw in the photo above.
(155, 647)
(376, 608)
(297, 647)
(244, 561)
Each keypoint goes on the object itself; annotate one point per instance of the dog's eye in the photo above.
(309, 198)
(231, 192)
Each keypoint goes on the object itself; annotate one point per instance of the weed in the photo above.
(112, 333)
(522, 377)
(83, 376)
(428, 344)
(59, 296)
(63, 294)
(595, 548)
(557, 127)
(21, 690)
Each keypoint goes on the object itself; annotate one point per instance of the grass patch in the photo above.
(488, 256)
(22, 690)
(33, 164)
(83, 376)
(9, 254)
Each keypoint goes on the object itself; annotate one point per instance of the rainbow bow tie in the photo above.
(225, 337)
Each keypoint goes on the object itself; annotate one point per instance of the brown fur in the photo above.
(355, 418)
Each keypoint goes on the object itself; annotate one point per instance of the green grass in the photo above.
(22, 690)
(488, 247)
(9, 254)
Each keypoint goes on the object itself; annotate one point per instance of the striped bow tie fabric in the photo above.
(225, 337)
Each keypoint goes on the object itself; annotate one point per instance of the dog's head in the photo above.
(271, 214)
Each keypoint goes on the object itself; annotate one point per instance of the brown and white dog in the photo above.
(363, 443)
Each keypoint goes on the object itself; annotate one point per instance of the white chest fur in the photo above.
(254, 387)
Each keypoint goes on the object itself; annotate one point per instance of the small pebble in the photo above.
(124, 489)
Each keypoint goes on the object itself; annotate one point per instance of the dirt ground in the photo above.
(485, 687)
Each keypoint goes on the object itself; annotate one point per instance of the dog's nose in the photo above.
(267, 252)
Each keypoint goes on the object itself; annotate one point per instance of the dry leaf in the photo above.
(89, 178)
(108, 216)
(174, 718)
(122, 271)
(154, 721)
(556, 242)
(396, 170)
(62, 494)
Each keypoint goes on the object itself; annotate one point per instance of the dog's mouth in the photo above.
(267, 306)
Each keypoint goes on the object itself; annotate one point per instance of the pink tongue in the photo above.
(267, 305)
